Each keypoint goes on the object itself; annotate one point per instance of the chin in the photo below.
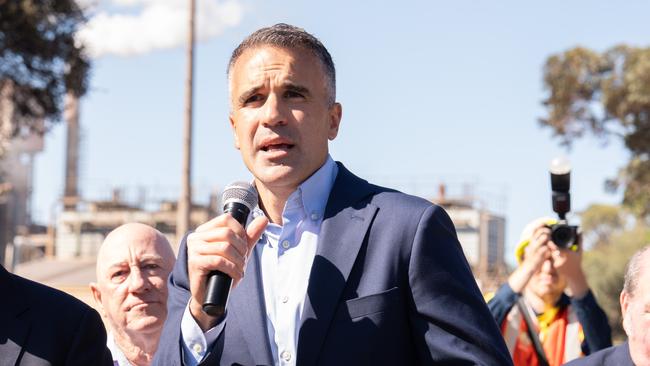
(278, 176)
(146, 323)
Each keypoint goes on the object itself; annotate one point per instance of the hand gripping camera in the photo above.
(562, 234)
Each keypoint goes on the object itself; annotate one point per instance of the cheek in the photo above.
(299, 114)
(644, 328)
(246, 123)
(116, 300)
(159, 282)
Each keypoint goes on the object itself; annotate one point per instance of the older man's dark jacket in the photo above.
(612, 356)
(43, 326)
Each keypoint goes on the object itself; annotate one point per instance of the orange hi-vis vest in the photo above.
(559, 332)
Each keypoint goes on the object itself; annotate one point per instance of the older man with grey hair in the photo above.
(133, 264)
(635, 308)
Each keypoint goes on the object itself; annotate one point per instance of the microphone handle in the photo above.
(219, 283)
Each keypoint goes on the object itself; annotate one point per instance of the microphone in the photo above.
(238, 199)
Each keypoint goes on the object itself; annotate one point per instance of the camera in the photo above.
(562, 234)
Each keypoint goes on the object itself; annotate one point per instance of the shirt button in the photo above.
(315, 216)
(197, 348)
(285, 299)
(286, 356)
(286, 244)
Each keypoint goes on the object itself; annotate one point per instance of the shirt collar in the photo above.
(119, 359)
(313, 192)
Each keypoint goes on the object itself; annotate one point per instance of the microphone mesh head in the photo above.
(242, 192)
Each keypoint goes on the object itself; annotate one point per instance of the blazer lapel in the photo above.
(347, 219)
(248, 305)
(12, 315)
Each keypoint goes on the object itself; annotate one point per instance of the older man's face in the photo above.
(281, 115)
(131, 289)
(636, 316)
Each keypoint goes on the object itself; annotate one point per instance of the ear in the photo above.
(335, 114)
(233, 125)
(624, 299)
(97, 297)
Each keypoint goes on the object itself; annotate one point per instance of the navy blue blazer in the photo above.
(612, 356)
(389, 285)
(43, 326)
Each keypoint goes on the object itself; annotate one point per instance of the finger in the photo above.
(207, 264)
(539, 240)
(542, 230)
(224, 220)
(215, 222)
(219, 249)
(542, 237)
(220, 234)
(255, 230)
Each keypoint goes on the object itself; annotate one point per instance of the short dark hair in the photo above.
(633, 271)
(289, 37)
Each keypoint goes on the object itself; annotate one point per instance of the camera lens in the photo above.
(563, 235)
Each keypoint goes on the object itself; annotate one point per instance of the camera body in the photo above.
(562, 234)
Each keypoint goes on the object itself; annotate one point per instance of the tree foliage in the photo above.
(606, 94)
(599, 222)
(40, 58)
(605, 263)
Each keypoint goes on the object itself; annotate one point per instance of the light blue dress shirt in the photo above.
(286, 253)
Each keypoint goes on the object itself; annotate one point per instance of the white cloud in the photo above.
(157, 24)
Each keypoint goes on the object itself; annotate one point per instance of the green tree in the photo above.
(599, 222)
(605, 263)
(606, 94)
(39, 58)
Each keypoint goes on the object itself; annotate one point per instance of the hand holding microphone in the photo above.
(218, 251)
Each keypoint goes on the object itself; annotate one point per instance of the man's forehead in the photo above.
(127, 250)
(255, 61)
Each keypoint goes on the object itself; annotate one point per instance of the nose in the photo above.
(273, 111)
(547, 266)
(137, 281)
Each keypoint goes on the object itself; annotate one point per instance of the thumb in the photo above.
(255, 230)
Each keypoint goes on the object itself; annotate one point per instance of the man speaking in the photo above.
(331, 269)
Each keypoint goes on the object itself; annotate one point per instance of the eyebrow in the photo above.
(297, 88)
(247, 94)
(145, 258)
(287, 86)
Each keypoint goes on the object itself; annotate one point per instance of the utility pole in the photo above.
(71, 188)
(185, 199)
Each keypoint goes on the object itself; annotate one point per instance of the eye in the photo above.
(118, 276)
(151, 266)
(292, 94)
(253, 99)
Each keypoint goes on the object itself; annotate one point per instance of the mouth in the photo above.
(141, 305)
(276, 145)
(547, 280)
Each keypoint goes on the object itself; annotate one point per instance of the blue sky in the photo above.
(431, 91)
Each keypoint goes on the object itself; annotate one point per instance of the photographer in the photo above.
(550, 287)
